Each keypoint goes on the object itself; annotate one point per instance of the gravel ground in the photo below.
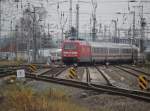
(92, 100)
(106, 102)
(95, 101)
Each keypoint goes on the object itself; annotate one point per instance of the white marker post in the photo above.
(21, 74)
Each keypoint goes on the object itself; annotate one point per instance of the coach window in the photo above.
(99, 50)
(113, 50)
(103, 50)
(126, 51)
(96, 50)
(123, 51)
(93, 49)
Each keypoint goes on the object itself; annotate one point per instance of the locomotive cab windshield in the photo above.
(70, 46)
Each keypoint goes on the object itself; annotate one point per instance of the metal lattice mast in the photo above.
(0, 21)
(94, 4)
(77, 20)
(34, 38)
(133, 36)
(70, 15)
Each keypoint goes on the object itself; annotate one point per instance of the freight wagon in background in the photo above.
(80, 51)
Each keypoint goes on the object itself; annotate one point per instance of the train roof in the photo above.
(110, 45)
(76, 41)
(103, 44)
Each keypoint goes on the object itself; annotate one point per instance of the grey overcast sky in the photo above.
(106, 11)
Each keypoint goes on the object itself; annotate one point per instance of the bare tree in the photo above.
(29, 27)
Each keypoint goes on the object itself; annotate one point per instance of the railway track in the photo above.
(88, 76)
(145, 96)
(130, 71)
(6, 73)
(93, 75)
(108, 80)
(98, 88)
(101, 73)
(54, 72)
(137, 70)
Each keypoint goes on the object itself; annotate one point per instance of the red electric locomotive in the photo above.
(74, 51)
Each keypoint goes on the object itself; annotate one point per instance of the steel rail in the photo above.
(5, 75)
(88, 78)
(137, 70)
(59, 72)
(99, 88)
(126, 70)
(51, 72)
(115, 87)
(129, 72)
(46, 72)
(107, 80)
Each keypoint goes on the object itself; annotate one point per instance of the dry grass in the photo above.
(20, 98)
(7, 62)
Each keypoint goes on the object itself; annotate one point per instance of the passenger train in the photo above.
(77, 51)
